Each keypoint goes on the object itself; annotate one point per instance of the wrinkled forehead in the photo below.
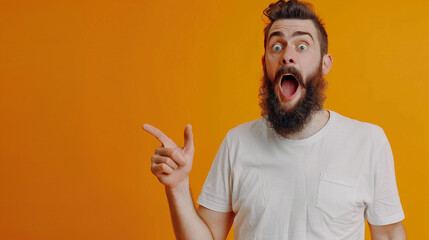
(289, 26)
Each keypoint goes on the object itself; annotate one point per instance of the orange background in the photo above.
(79, 78)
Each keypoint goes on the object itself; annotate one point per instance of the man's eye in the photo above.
(302, 46)
(277, 47)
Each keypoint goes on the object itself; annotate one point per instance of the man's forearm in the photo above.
(394, 231)
(186, 222)
(396, 237)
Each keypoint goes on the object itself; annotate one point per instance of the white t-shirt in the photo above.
(322, 187)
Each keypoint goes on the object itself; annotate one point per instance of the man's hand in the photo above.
(171, 164)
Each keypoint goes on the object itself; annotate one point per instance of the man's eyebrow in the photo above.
(301, 33)
(295, 34)
(277, 33)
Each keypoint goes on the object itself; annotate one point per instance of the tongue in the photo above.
(289, 87)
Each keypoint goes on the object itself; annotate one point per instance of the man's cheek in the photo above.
(272, 74)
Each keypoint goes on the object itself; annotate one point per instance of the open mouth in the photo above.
(289, 85)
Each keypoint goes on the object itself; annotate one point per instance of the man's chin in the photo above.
(289, 105)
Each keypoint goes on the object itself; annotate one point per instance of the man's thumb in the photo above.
(189, 138)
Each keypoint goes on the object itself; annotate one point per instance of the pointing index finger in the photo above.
(166, 141)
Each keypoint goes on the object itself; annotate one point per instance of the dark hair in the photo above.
(294, 9)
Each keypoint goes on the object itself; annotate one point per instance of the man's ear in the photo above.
(263, 61)
(326, 63)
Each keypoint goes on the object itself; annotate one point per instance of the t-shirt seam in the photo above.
(211, 205)
(386, 219)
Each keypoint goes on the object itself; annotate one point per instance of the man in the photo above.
(300, 172)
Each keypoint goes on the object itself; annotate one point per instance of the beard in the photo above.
(286, 122)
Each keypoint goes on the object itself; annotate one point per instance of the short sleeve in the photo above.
(385, 207)
(216, 192)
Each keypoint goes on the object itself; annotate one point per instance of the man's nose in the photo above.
(289, 56)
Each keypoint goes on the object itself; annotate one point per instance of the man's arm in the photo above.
(219, 223)
(189, 224)
(171, 165)
(394, 231)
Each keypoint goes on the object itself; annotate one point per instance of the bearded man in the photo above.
(300, 172)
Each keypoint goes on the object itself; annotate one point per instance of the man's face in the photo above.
(291, 43)
(293, 74)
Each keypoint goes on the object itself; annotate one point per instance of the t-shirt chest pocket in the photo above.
(337, 198)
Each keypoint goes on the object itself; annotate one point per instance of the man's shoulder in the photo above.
(250, 129)
(340, 125)
(353, 126)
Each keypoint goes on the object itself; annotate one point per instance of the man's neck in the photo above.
(317, 121)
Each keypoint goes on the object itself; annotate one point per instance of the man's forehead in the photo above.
(289, 26)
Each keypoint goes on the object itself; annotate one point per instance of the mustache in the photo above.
(290, 70)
